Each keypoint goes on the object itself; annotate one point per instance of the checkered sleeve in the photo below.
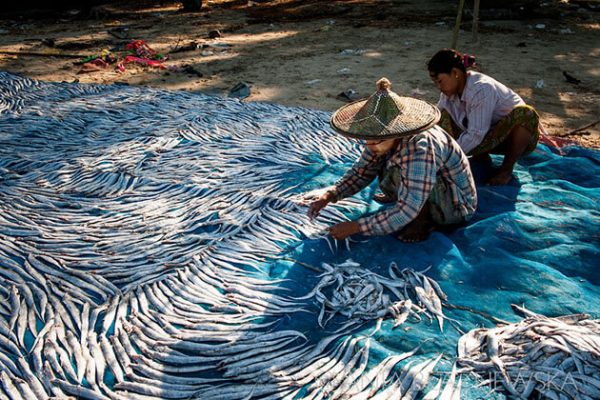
(359, 176)
(417, 172)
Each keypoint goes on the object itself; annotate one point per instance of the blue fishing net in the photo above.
(534, 241)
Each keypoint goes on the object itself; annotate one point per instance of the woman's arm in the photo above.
(480, 110)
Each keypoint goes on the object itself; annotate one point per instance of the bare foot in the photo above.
(416, 231)
(382, 198)
(501, 178)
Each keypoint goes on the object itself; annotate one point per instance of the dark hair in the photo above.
(444, 60)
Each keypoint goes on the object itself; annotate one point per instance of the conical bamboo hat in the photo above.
(384, 115)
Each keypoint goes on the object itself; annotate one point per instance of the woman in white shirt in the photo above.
(482, 114)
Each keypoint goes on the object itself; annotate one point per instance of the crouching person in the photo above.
(482, 114)
(422, 171)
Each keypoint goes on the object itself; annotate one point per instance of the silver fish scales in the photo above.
(551, 357)
(135, 228)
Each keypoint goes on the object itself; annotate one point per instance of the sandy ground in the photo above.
(305, 53)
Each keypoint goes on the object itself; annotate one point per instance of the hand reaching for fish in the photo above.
(344, 229)
(319, 203)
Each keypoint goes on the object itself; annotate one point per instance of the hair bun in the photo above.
(468, 60)
(384, 84)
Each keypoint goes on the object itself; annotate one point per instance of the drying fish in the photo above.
(136, 254)
(539, 356)
(361, 295)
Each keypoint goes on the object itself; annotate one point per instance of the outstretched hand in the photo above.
(344, 229)
(317, 205)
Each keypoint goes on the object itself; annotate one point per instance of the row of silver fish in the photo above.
(136, 231)
(159, 341)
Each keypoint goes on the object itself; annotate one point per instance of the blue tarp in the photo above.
(533, 242)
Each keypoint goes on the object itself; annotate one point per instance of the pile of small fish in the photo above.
(360, 294)
(134, 249)
(553, 358)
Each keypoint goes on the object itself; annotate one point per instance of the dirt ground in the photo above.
(305, 53)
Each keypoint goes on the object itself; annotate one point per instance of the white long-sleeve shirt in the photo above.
(484, 102)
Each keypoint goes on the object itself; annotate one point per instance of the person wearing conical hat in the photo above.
(422, 171)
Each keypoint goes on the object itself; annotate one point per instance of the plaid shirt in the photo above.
(420, 160)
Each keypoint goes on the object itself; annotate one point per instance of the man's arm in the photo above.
(359, 176)
(362, 173)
